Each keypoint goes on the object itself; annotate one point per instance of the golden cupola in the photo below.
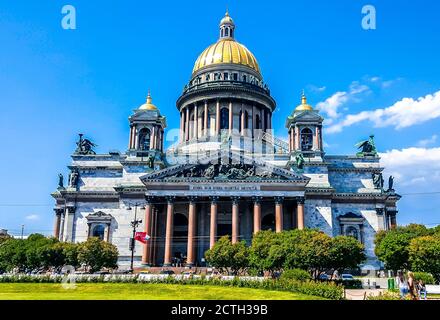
(148, 105)
(304, 106)
(226, 50)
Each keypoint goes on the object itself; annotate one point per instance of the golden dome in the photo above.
(226, 51)
(227, 19)
(304, 106)
(148, 105)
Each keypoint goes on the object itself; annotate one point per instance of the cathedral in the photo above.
(227, 174)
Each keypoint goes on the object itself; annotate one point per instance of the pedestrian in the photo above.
(422, 289)
(402, 285)
(412, 286)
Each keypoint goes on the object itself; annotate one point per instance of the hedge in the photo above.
(314, 288)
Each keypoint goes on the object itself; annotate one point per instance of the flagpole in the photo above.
(135, 223)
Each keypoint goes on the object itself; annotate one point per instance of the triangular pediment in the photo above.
(308, 116)
(225, 166)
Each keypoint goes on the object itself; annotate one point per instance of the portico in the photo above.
(219, 196)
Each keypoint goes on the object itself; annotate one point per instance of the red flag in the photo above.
(142, 237)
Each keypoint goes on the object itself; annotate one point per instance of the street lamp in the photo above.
(135, 223)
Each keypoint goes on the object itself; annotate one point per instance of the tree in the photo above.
(226, 256)
(96, 254)
(265, 251)
(345, 253)
(424, 255)
(308, 250)
(392, 246)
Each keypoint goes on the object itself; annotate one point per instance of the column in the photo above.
(56, 229)
(169, 232)
(393, 220)
(292, 139)
(190, 256)
(231, 117)
(205, 120)
(196, 121)
(213, 229)
(153, 138)
(182, 123)
(279, 214)
(187, 124)
(297, 134)
(257, 214)
(242, 121)
(136, 139)
(217, 118)
(235, 225)
(300, 214)
(147, 230)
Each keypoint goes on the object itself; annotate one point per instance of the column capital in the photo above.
(58, 211)
(192, 199)
(71, 209)
(257, 200)
(214, 199)
(380, 211)
(279, 200)
(235, 199)
(300, 200)
(149, 199)
(170, 199)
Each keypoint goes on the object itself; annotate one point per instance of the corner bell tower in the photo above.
(146, 130)
(305, 131)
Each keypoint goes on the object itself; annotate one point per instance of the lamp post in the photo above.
(135, 223)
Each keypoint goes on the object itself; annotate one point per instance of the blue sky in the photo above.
(55, 83)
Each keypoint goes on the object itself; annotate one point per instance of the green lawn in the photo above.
(133, 291)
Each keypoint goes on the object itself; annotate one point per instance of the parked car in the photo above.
(347, 277)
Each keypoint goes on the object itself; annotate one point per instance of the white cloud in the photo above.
(404, 113)
(428, 142)
(333, 103)
(33, 217)
(413, 167)
(314, 88)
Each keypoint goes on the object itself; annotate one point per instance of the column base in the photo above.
(167, 265)
(146, 265)
(189, 265)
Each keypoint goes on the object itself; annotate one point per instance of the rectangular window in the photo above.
(225, 76)
(235, 76)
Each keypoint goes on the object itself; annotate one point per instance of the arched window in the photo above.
(224, 118)
(227, 32)
(144, 139)
(352, 232)
(246, 120)
(98, 231)
(306, 139)
(268, 222)
(239, 122)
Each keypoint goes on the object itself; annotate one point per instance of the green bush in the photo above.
(427, 278)
(387, 295)
(349, 284)
(296, 274)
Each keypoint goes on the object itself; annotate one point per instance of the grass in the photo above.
(133, 291)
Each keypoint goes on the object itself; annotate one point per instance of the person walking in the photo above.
(412, 286)
(402, 284)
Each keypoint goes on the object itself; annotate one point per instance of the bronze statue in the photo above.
(60, 181)
(368, 147)
(73, 178)
(299, 161)
(391, 184)
(378, 180)
(150, 161)
(84, 146)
